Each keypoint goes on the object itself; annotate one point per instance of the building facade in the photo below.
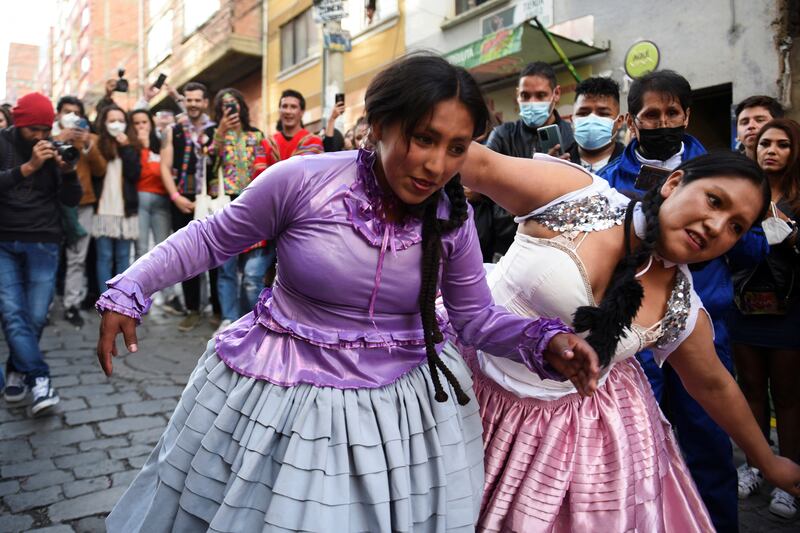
(728, 50)
(22, 70)
(91, 42)
(296, 59)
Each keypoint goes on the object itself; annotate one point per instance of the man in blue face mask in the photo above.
(596, 121)
(537, 96)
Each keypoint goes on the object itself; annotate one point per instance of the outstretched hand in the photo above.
(574, 359)
(112, 325)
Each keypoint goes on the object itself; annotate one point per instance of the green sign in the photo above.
(491, 47)
(642, 57)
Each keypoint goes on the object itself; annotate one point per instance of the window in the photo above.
(299, 39)
(366, 13)
(159, 40)
(466, 5)
(86, 16)
(86, 64)
(196, 13)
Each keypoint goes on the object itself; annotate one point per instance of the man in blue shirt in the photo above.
(659, 105)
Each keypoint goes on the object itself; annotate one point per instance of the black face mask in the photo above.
(661, 143)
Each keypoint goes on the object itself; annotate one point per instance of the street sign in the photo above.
(329, 10)
(337, 41)
(641, 58)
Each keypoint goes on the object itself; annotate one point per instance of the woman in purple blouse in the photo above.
(316, 412)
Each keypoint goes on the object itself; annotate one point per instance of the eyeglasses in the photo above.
(652, 123)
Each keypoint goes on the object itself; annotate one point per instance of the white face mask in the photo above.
(70, 120)
(115, 128)
(776, 229)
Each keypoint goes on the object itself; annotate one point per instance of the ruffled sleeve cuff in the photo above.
(537, 337)
(126, 297)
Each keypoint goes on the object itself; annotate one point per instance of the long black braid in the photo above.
(623, 297)
(432, 229)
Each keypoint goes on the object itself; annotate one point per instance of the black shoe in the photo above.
(173, 306)
(73, 316)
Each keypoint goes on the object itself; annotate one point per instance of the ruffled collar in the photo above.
(365, 203)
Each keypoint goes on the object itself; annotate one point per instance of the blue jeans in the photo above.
(113, 257)
(154, 215)
(234, 300)
(27, 282)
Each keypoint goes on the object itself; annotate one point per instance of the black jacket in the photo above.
(575, 156)
(496, 228)
(131, 171)
(518, 140)
(29, 207)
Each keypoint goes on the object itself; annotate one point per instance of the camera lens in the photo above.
(67, 152)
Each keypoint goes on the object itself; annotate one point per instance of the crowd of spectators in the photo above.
(133, 177)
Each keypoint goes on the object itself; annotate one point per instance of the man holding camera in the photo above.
(71, 127)
(35, 179)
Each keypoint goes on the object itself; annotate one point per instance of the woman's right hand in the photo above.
(111, 325)
(122, 139)
(184, 205)
(784, 474)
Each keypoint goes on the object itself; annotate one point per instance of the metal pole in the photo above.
(559, 51)
(264, 64)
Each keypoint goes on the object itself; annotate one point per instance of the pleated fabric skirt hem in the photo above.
(244, 455)
(605, 463)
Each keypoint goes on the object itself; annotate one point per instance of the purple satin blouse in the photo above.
(343, 311)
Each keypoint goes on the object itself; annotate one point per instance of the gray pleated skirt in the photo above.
(244, 455)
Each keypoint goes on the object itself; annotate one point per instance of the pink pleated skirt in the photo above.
(608, 463)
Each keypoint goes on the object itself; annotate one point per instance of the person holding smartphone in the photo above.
(236, 156)
(332, 139)
(72, 127)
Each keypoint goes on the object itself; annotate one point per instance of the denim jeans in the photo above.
(113, 257)
(154, 216)
(27, 282)
(237, 300)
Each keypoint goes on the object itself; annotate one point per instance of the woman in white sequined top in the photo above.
(617, 270)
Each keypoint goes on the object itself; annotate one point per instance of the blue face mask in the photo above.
(534, 114)
(593, 132)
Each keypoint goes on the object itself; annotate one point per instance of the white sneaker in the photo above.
(750, 479)
(16, 388)
(223, 326)
(783, 504)
(44, 396)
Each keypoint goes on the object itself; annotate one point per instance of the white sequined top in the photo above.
(546, 277)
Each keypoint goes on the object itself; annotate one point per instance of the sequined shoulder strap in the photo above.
(594, 212)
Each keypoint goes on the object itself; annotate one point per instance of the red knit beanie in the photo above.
(33, 109)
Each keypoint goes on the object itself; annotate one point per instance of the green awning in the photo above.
(506, 52)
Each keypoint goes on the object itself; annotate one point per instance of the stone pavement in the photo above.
(63, 472)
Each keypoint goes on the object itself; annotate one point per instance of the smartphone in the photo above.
(549, 136)
(83, 124)
(122, 83)
(160, 81)
(339, 98)
(232, 108)
(650, 176)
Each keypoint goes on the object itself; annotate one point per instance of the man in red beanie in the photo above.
(34, 182)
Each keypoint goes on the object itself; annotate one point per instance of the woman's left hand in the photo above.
(784, 474)
(574, 359)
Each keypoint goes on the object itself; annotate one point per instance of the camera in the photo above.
(122, 83)
(68, 153)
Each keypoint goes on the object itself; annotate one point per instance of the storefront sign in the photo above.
(642, 57)
(493, 46)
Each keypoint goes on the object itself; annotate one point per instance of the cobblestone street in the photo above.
(64, 471)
